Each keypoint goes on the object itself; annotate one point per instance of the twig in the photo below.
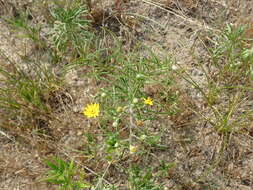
(102, 178)
(7, 136)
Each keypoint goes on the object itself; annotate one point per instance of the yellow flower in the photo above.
(91, 110)
(148, 101)
(133, 149)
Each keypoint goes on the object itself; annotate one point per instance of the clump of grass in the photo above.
(24, 96)
(27, 29)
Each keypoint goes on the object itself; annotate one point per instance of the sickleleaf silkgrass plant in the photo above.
(142, 179)
(65, 174)
(124, 109)
(71, 30)
(225, 92)
(232, 58)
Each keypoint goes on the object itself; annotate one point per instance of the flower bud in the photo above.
(139, 76)
(133, 149)
(115, 124)
(174, 67)
(143, 137)
(116, 145)
(135, 100)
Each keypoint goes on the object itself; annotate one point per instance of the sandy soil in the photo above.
(176, 28)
